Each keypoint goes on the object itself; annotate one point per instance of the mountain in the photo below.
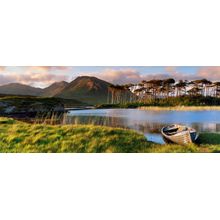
(86, 89)
(20, 89)
(54, 89)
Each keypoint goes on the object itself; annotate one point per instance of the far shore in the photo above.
(180, 108)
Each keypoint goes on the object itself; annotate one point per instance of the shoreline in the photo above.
(47, 138)
(180, 108)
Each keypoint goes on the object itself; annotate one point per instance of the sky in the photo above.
(43, 76)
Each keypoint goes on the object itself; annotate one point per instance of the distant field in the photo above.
(21, 137)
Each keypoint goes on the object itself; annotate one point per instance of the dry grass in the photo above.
(180, 108)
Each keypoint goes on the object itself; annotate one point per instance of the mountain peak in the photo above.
(20, 89)
(87, 89)
(88, 78)
(54, 89)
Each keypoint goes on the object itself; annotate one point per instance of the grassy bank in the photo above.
(19, 101)
(181, 108)
(16, 136)
(195, 102)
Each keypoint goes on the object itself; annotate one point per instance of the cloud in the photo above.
(42, 76)
(2, 68)
(211, 73)
(5, 79)
(124, 76)
(118, 76)
(131, 75)
(48, 68)
(35, 75)
(170, 69)
(34, 79)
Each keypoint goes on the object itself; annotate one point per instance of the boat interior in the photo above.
(172, 130)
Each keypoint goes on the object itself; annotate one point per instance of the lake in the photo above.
(148, 122)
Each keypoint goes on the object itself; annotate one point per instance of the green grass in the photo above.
(198, 101)
(20, 101)
(21, 137)
(210, 141)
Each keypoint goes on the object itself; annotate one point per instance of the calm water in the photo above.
(147, 122)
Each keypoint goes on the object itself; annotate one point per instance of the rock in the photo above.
(9, 110)
(3, 104)
(30, 106)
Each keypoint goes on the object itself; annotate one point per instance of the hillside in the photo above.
(54, 89)
(86, 89)
(20, 89)
(28, 106)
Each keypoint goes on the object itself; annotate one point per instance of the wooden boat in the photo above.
(179, 134)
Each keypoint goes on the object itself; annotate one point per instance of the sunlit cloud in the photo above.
(2, 68)
(118, 76)
(42, 76)
(124, 76)
(212, 73)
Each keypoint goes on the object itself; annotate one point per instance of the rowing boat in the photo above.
(179, 134)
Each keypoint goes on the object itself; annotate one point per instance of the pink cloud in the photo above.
(119, 76)
(48, 68)
(45, 75)
(124, 76)
(2, 68)
(211, 73)
(5, 79)
(35, 76)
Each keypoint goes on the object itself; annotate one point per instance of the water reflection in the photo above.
(147, 122)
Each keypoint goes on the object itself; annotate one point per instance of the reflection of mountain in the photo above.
(116, 122)
(140, 126)
(206, 127)
(146, 122)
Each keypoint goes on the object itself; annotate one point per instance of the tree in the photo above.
(154, 86)
(168, 86)
(195, 91)
(217, 89)
(202, 84)
(180, 87)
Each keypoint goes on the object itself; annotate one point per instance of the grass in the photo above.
(181, 108)
(21, 137)
(20, 101)
(196, 102)
(210, 141)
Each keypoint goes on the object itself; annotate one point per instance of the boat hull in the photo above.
(182, 138)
